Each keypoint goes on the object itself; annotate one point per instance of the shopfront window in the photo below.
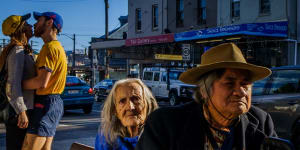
(201, 12)
(265, 6)
(266, 53)
(154, 17)
(235, 9)
(179, 13)
(138, 19)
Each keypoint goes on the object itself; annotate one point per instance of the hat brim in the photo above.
(26, 17)
(37, 15)
(193, 75)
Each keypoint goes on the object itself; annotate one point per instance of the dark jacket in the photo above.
(181, 128)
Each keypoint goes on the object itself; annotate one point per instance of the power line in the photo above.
(69, 34)
(51, 1)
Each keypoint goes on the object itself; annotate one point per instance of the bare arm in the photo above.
(38, 82)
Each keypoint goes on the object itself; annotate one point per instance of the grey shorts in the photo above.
(47, 112)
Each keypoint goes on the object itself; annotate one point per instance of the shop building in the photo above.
(265, 30)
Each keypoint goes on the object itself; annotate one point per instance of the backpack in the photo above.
(4, 104)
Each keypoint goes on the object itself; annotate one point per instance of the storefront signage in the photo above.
(273, 29)
(168, 57)
(165, 38)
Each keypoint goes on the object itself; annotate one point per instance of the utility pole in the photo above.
(73, 62)
(106, 37)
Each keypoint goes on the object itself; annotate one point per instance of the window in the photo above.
(105, 83)
(285, 81)
(265, 7)
(179, 13)
(281, 81)
(235, 9)
(72, 80)
(201, 12)
(156, 76)
(154, 16)
(174, 75)
(138, 20)
(164, 77)
(148, 75)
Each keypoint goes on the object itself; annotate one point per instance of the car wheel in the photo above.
(296, 135)
(88, 109)
(173, 99)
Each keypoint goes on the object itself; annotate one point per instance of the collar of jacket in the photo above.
(193, 135)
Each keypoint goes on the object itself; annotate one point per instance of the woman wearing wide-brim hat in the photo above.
(17, 61)
(221, 117)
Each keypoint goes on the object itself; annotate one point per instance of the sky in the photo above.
(84, 18)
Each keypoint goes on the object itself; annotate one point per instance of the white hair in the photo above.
(111, 127)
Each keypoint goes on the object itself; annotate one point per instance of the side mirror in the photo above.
(273, 143)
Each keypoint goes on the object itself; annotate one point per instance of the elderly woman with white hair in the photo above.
(123, 116)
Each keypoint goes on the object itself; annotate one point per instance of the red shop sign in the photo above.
(165, 38)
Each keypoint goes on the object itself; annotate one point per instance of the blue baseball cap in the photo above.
(57, 19)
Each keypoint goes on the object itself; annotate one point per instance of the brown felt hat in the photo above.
(226, 55)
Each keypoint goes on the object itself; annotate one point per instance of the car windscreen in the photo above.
(71, 81)
(281, 81)
(105, 83)
(174, 75)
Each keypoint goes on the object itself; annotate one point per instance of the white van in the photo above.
(165, 85)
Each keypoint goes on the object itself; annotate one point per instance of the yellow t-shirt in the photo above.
(53, 58)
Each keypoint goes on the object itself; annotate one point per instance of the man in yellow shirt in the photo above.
(51, 66)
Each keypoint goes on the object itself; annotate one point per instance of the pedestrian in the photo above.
(124, 113)
(221, 117)
(17, 60)
(51, 66)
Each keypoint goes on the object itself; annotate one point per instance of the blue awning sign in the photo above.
(272, 29)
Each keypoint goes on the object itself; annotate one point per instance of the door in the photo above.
(163, 91)
(155, 86)
(148, 79)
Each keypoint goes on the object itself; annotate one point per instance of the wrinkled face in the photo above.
(40, 26)
(28, 30)
(232, 92)
(130, 104)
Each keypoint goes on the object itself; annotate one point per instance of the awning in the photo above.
(272, 29)
(107, 44)
(164, 38)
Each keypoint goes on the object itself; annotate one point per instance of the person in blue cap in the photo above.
(51, 66)
(17, 61)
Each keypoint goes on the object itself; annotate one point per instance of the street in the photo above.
(75, 126)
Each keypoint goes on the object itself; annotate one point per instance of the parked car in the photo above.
(165, 85)
(102, 88)
(78, 95)
(279, 95)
